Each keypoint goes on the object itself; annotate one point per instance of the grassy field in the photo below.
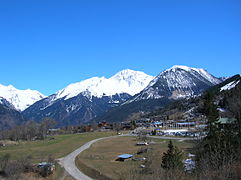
(99, 161)
(58, 147)
(53, 148)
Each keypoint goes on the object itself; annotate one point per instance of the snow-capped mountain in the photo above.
(178, 82)
(175, 83)
(126, 81)
(84, 100)
(20, 99)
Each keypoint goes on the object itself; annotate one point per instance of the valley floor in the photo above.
(99, 161)
(51, 148)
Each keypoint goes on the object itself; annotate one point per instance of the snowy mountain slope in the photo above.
(20, 99)
(126, 81)
(4, 102)
(82, 101)
(230, 85)
(178, 82)
(73, 111)
(9, 116)
(203, 73)
(175, 83)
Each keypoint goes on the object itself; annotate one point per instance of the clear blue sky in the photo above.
(48, 44)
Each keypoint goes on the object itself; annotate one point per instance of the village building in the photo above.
(124, 157)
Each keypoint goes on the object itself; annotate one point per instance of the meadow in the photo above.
(99, 161)
(53, 147)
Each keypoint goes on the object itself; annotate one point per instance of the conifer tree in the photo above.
(172, 159)
(221, 145)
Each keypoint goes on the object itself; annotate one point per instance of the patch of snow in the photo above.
(229, 86)
(186, 68)
(221, 110)
(114, 102)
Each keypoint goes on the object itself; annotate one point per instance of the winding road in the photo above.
(68, 162)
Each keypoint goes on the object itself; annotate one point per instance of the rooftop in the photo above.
(125, 156)
(226, 120)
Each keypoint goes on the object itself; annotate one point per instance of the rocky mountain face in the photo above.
(4, 102)
(110, 99)
(20, 99)
(178, 82)
(76, 110)
(9, 116)
(226, 97)
(82, 101)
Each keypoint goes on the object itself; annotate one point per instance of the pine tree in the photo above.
(172, 159)
(210, 110)
(221, 146)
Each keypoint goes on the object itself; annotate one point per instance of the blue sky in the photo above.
(46, 45)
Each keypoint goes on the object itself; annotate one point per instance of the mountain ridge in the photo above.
(121, 82)
(91, 98)
(178, 82)
(87, 99)
(20, 99)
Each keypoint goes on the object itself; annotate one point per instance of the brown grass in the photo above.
(100, 158)
(41, 150)
(69, 178)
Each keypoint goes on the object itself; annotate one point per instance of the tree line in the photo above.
(29, 131)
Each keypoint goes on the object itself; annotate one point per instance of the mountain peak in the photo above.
(126, 81)
(186, 68)
(10, 86)
(128, 74)
(20, 99)
(178, 82)
(126, 71)
(194, 71)
(183, 67)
